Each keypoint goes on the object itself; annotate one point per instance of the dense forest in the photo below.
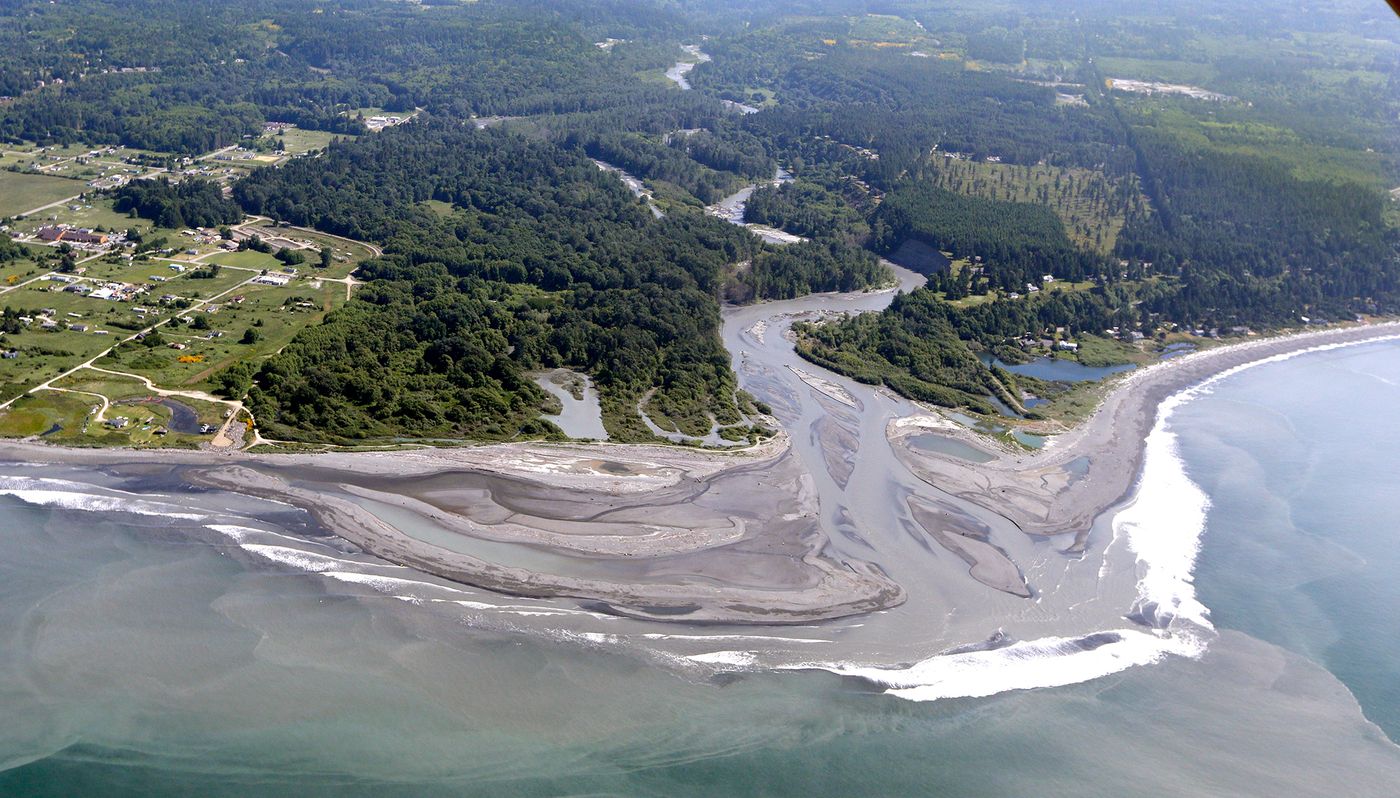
(545, 261)
(994, 144)
(1018, 242)
(189, 203)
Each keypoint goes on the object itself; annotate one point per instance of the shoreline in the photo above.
(1094, 466)
(741, 542)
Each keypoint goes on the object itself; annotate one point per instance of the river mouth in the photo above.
(838, 546)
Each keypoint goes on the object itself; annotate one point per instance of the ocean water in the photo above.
(141, 655)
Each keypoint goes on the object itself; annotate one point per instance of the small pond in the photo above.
(1058, 369)
(938, 444)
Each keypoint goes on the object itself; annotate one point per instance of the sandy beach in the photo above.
(670, 533)
(1061, 489)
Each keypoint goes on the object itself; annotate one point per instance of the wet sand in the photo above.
(672, 534)
(1062, 488)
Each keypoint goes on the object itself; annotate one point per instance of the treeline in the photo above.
(189, 76)
(808, 267)
(651, 160)
(922, 346)
(1250, 242)
(11, 249)
(546, 262)
(1016, 242)
(806, 209)
(189, 203)
(900, 108)
(913, 347)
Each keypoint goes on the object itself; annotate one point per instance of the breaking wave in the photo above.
(67, 495)
(1162, 526)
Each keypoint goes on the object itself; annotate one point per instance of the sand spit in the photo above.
(1063, 488)
(676, 534)
(642, 531)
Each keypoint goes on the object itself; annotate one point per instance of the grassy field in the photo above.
(134, 416)
(884, 29)
(34, 415)
(440, 208)
(345, 255)
(1307, 160)
(274, 314)
(296, 141)
(44, 355)
(17, 271)
(1092, 207)
(247, 259)
(89, 214)
(1157, 70)
(21, 192)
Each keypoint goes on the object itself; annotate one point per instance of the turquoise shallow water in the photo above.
(138, 659)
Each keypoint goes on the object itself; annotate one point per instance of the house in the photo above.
(1067, 346)
(103, 293)
(272, 279)
(80, 328)
(10, 354)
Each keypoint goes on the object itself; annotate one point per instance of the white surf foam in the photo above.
(736, 659)
(1163, 523)
(657, 636)
(1047, 662)
(78, 496)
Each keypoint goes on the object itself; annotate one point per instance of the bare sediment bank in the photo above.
(676, 534)
(1061, 489)
(643, 531)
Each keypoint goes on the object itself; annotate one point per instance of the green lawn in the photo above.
(885, 28)
(247, 259)
(95, 214)
(17, 271)
(296, 141)
(44, 355)
(21, 192)
(34, 415)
